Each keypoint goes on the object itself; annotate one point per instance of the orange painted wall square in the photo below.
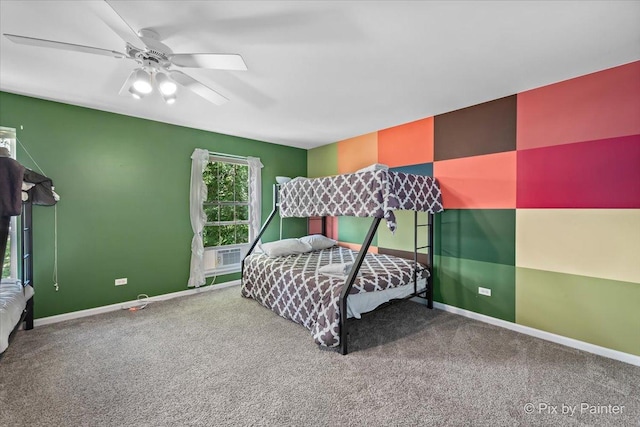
(479, 182)
(357, 153)
(408, 144)
(597, 106)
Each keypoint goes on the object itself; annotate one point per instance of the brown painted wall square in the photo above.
(481, 129)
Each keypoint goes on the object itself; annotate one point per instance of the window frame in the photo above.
(14, 224)
(209, 251)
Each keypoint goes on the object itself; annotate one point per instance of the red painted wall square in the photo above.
(407, 144)
(314, 225)
(601, 105)
(479, 182)
(594, 174)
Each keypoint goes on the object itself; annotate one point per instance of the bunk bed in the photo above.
(16, 296)
(294, 284)
(20, 188)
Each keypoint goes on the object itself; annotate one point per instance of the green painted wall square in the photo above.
(354, 229)
(403, 238)
(456, 283)
(322, 161)
(598, 311)
(425, 169)
(486, 235)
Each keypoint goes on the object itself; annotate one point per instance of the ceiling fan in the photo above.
(156, 61)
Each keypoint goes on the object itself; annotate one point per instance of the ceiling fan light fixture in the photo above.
(142, 82)
(135, 93)
(169, 99)
(165, 84)
(155, 61)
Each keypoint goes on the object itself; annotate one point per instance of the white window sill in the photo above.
(220, 271)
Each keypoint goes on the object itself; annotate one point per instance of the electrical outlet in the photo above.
(484, 291)
(120, 282)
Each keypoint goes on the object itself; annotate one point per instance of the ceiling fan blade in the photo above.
(197, 87)
(118, 25)
(220, 61)
(63, 46)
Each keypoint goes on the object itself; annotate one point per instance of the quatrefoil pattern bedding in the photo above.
(366, 194)
(292, 287)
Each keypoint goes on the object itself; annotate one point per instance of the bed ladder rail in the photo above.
(429, 247)
(26, 251)
(346, 288)
(276, 205)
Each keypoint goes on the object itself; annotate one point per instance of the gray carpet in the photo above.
(217, 359)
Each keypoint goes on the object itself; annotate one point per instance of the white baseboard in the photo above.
(119, 306)
(548, 336)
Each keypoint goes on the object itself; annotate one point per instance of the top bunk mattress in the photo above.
(364, 194)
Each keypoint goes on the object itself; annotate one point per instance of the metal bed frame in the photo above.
(346, 289)
(26, 251)
(26, 258)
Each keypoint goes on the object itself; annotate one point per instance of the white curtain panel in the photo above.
(197, 196)
(255, 186)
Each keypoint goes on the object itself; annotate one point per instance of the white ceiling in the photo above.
(320, 72)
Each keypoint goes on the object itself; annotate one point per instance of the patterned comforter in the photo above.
(292, 287)
(365, 194)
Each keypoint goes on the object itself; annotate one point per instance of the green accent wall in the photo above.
(124, 208)
(403, 238)
(606, 313)
(353, 229)
(480, 234)
(456, 282)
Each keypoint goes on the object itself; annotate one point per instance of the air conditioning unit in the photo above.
(226, 257)
(224, 260)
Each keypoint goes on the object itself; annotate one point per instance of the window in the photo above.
(224, 208)
(10, 257)
(227, 204)
(232, 211)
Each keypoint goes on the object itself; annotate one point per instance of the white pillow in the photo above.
(374, 167)
(285, 247)
(318, 241)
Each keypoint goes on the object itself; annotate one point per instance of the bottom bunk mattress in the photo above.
(296, 288)
(13, 301)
